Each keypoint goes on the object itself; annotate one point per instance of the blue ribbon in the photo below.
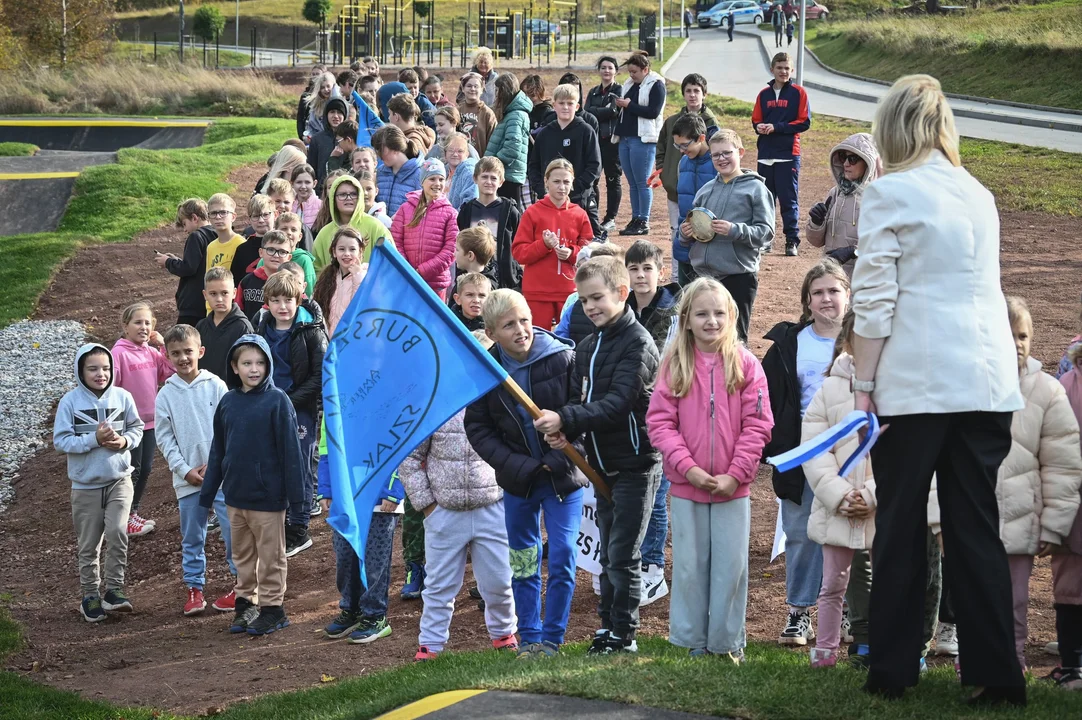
(825, 441)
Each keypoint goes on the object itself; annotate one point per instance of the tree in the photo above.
(315, 11)
(423, 8)
(208, 22)
(62, 30)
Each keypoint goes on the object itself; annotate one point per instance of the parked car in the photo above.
(815, 10)
(542, 29)
(743, 12)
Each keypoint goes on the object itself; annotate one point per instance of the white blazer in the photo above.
(927, 279)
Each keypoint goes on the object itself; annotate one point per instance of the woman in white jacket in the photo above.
(932, 349)
(641, 105)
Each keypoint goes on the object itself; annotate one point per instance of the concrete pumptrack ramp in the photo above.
(34, 191)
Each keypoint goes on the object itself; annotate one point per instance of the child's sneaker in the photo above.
(821, 657)
(423, 653)
(226, 603)
(145, 521)
(415, 581)
(507, 642)
(213, 523)
(316, 509)
(654, 586)
(847, 627)
(946, 639)
(859, 655)
(699, 652)
(346, 622)
(270, 619)
(736, 657)
(137, 526)
(596, 584)
(618, 644)
(799, 629)
(116, 601)
(1052, 648)
(244, 613)
(601, 642)
(370, 630)
(297, 539)
(196, 603)
(91, 609)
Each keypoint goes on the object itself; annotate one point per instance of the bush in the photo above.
(208, 22)
(315, 11)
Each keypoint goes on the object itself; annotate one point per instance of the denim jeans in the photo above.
(193, 538)
(371, 601)
(803, 557)
(653, 545)
(523, 519)
(298, 513)
(637, 159)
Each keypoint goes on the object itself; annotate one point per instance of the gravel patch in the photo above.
(35, 371)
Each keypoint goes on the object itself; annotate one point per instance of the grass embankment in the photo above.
(114, 203)
(17, 149)
(1019, 53)
(193, 55)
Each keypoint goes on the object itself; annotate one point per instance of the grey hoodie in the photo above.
(544, 344)
(184, 424)
(749, 206)
(91, 466)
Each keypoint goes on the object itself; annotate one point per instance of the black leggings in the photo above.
(610, 163)
(142, 457)
(743, 288)
(512, 191)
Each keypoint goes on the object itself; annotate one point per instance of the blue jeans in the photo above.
(653, 545)
(298, 513)
(803, 557)
(371, 601)
(523, 519)
(637, 159)
(193, 538)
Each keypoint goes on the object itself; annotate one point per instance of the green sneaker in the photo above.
(91, 609)
(370, 630)
(116, 600)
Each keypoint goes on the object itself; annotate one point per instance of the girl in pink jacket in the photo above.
(339, 281)
(141, 367)
(425, 227)
(710, 418)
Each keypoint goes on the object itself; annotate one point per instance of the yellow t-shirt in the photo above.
(220, 254)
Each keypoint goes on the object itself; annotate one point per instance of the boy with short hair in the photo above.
(295, 334)
(743, 226)
(293, 227)
(281, 192)
(184, 421)
(261, 214)
(293, 269)
(96, 426)
(610, 390)
(225, 323)
(275, 250)
(192, 218)
(220, 251)
(471, 291)
(499, 215)
(690, 135)
(255, 460)
(403, 113)
(475, 252)
(345, 139)
(667, 158)
(414, 78)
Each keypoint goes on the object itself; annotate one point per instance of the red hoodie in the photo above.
(544, 276)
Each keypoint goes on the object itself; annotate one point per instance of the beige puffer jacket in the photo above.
(830, 405)
(444, 469)
(839, 229)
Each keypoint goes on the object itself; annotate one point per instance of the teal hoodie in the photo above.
(510, 141)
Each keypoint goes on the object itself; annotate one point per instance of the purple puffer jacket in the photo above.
(445, 470)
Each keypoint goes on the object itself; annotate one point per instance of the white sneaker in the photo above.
(946, 639)
(596, 584)
(1052, 648)
(847, 627)
(654, 586)
(798, 629)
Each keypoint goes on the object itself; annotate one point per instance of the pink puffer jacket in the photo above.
(429, 246)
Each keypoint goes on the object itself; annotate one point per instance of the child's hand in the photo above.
(550, 239)
(563, 252)
(724, 485)
(103, 433)
(701, 479)
(161, 259)
(654, 181)
(156, 339)
(115, 443)
(548, 423)
(386, 505)
(721, 227)
(325, 503)
(686, 229)
(556, 441)
(428, 510)
(764, 128)
(1047, 549)
(193, 477)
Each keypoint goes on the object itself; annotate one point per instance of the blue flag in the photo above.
(825, 441)
(399, 366)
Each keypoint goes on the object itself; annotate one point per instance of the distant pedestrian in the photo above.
(777, 19)
(732, 21)
(687, 23)
(789, 30)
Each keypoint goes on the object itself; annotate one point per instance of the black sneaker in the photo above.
(244, 613)
(631, 227)
(600, 644)
(91, 609)
(270, 619)
(297, 539)
(618, 644)
(791, 249)
(213, 523)
(643, 228)
(116, 600)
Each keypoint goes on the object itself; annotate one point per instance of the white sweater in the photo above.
(184, 424)
(927, 279)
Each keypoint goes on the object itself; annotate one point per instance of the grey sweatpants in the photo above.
(102, 514)
(448, 535)
(710, 574)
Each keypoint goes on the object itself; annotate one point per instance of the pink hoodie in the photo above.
(430, 246)
(141, 370)
(722, 434)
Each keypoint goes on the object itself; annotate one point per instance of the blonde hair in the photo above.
(288, 217)
(483, 338)
(316, 104)
(827, 267)
(478, 240)
(259, 204)
(129, 312)
(559, 164)
(567, 91)
(912, 120)
(610, 270)
(679, 360)
(285, 162)
(278, 186)
(483, 52)
(219, 273)
(1018, 311)
(725, 135)
(474, 278)
(223, 200)
(499, 303)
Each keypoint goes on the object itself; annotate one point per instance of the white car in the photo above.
(743, 12)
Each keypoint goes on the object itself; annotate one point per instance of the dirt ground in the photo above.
(156, 657)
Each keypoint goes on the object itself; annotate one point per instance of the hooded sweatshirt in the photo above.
(544, 345)
(429, 246)
(184, 415)
(369, 227)
(544, 276)
(250, 293)
(91, 466)
(394, 186)
(255, 454)
(839, 228)
(385, 93)
(748, 205)
(141, 370)
(321, 144)
(576, 143)
(478, 122)
(218, 339)
(510, 141)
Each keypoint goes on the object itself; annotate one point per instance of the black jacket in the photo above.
(190, 269)
(779, 364)
(219, 339)
(579, 327)
(477, 323)
(577, 143)
(320, 147)
(660, 315)
(307, 346)
(615, 368)
(497, 434)
(508, 271)
(302, 115)
(246, 256)
(599, 103)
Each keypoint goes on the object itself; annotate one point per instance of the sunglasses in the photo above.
(850, 159)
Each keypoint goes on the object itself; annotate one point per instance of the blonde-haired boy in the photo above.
(221, 251)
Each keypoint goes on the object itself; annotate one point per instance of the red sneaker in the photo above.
(226, 603)
(507, 642)
(196, 604)
(136, 526)
(423, 653)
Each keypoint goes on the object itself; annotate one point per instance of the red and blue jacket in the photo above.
(790, 115)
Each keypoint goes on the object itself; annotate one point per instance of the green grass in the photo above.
(113, 203)
(1017, 53)
(144, 52)
(17, 149)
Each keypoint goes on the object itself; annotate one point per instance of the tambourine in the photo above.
(700, 218)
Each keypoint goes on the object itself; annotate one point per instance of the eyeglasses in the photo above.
(346, 196)
(266, 215)
(682, 146)
(723, 155)
(851, 159)
(277, 252)
(220, 213)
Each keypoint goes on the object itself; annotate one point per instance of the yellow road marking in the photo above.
(91, 122)
(429, 705)
(38, 176)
